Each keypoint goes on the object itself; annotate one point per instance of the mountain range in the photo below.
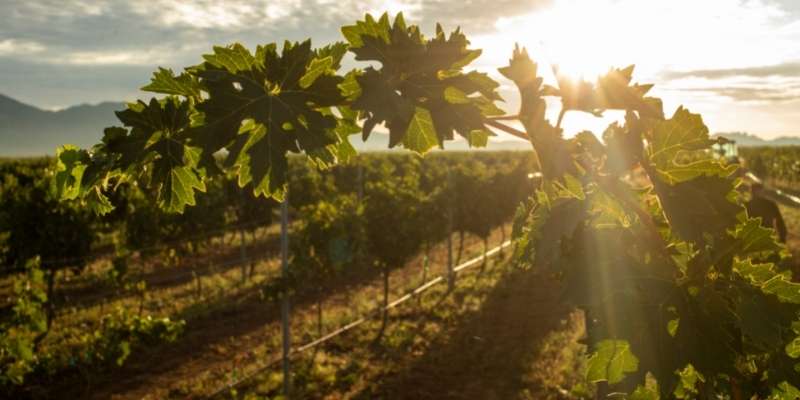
(746, 139)
(26, 130)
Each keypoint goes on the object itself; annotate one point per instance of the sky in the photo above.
(735, 61)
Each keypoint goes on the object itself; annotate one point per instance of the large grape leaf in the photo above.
(159, 133)
(669, 139)
(418, 80)
(289, 95)
(155, 150)
(696, 196)
(682, 132)
(699, 206)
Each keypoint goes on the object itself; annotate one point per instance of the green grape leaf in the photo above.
(421, 135)
(669, 139)
(71, 162)
(545, 138)
(644, 393)
(350, 87)
(175, 170)
(335, 51)
(770, 281)
(698, 206)
(236, 58)
(369, 27)
(479, 138)
(98, 202)
(261, 161)
(552, 223)
(454, 96)
(417, 73)
(793, 348)
(523, 72)
(156, 151)
(317, 67)
(625, 148)
(608, 212)
(342, 151)
(752, 238)
(672, 326)
(684, 172)
(784, 391)
(164, 81)
(268, 89)
(571, 187)
(687, 384)
(611, 361)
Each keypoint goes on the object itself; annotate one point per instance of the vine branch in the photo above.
(560, 118)
(505, 118)
(507, 129)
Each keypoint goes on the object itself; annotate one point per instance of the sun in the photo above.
(583, 38)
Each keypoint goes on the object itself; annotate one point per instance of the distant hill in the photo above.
(746, 139)
(26, 130)
(29, 131)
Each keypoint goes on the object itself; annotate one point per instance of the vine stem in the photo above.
(505, 118)
(507, 129)
(560, 118)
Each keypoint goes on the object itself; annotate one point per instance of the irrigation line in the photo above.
(364, 318)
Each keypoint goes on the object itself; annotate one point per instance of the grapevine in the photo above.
(675, 280)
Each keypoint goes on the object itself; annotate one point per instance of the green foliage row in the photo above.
(342, 228)
(781, 164)
(34, 222)
(329, 240)
(22, 353)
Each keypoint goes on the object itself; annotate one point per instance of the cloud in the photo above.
(176, 32)
(788, 69)
(146, 57)
(62, 52)
(11, 47)
(477, 16)
(751, 94)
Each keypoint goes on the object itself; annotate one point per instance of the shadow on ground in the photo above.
(520, 344)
